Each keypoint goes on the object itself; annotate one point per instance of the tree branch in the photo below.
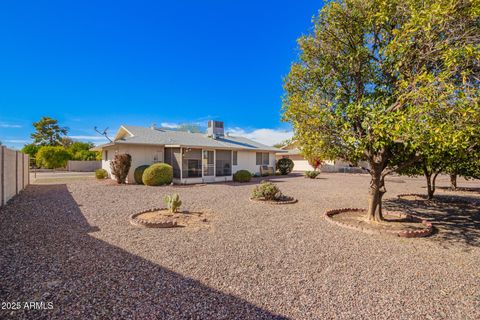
(402, 166)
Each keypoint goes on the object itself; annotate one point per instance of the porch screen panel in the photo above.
(192, 163)
(223, 163)
(208, 163)
(173, 157)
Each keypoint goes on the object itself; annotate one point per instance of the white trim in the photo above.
(121, 142)
(118, 131)
(181, 164)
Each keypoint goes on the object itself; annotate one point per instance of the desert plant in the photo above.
(101, 173)
(285, 166)
(242, 176)
(158, 174)
(311, 174)
(172, 202)
(138, 173)
(315, 163)
(267, 191)
(120, 166)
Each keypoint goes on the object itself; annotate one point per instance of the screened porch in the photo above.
(199, 165)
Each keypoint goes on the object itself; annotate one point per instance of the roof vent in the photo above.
(215, 129)
(153, 126)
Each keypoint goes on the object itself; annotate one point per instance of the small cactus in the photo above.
(173, 202)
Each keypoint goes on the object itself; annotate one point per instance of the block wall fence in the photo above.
(14, 173)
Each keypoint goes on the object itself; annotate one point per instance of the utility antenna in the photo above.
(104, 133)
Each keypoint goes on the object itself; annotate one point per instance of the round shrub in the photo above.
(138, 173)
(101, 173)
(242, 176)
(266, 191)
(311, 174)
(285, 165)
(158, 174)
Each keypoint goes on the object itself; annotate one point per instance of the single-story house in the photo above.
(195, 157)
(302, 164)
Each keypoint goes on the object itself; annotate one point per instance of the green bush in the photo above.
(311, 174)
(285, 165)
(242, 176)
(158, 174)
(81, 151)
(101, 173)
(120, 166)
(52, 157)
(267, 191)
(85, 155)
(138, 173)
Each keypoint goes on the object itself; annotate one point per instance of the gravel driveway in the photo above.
(71, 244)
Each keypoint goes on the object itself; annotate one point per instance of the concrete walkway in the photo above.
(59, 176)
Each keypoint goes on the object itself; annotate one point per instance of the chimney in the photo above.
(153, 126)
(215, 129)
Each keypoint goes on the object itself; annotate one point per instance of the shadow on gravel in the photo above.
(457, 218)
(48, 255)
(257, 180)
(461, 189)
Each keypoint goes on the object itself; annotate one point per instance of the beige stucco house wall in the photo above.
(302, 165)
(247, 161)
(195, 157)
(140, 155)
(147, 155)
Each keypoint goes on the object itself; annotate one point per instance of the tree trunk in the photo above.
(453, 181)
(430, 182)
(377, 190)
(430, 190)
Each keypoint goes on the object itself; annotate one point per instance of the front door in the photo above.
(208, 163)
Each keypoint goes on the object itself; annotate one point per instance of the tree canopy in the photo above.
(383, 80)
(48, 132)
(52, 157)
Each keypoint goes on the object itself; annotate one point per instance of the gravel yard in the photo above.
(71, 244)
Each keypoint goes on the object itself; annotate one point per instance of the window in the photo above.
(106, 154)
(158, 156)
(263, 158)
(266, 158)
(235, 158)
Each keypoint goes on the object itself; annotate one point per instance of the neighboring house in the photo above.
(195, 157)
(301, 164)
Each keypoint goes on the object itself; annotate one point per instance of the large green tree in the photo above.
(81, 151)
(48, 132)
(377, 80)
(457, 160)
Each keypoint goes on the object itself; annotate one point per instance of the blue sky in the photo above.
(104, 63)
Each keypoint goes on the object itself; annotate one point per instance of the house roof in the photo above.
(148, 136)
(291, 151)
